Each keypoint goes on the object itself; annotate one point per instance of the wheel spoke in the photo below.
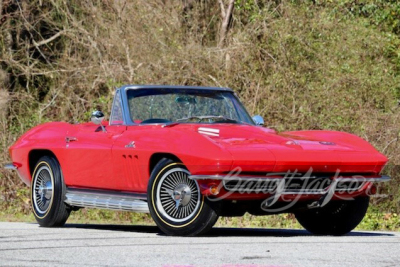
(169, 184)
(42, 189)
(169, 207)
(185, 210)
(176, 179)
(178, 196)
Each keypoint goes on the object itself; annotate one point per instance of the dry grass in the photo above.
(298, 66)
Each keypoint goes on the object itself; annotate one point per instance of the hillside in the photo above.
(299, 64)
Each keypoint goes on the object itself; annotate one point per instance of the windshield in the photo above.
(185, 106)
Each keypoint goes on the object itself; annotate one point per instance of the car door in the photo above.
(129, 159)
(88, 162)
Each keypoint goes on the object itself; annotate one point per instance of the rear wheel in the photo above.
(336, 218)
(175, 201)
(48, 192)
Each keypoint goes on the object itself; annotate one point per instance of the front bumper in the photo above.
(247, 187)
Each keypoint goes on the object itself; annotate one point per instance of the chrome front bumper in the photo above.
(258, 184)
(380, 178)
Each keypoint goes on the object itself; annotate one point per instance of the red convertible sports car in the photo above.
(188, 155)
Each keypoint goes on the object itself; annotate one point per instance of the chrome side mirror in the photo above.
(258, 120)
(97, 118)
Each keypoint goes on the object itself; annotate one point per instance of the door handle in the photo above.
(70, 139)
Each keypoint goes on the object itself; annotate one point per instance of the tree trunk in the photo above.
(226, 15)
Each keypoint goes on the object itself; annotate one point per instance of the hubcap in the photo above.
(178, 197)
(42, 190)
(181, 195)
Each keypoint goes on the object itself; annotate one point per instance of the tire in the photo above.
(169, 187)
(336, 218)
(48, 193)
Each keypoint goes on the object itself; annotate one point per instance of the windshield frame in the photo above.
(236, 102)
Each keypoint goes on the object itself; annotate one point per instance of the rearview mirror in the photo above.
(258, 120)
(184, 99)
(97, 118)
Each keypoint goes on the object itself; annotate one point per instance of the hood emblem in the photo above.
(327, 143)
(209, 131)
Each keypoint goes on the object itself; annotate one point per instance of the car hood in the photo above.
(259, 149)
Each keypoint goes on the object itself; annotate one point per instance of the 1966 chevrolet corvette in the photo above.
(188, 155)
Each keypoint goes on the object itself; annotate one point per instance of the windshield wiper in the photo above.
(209, 117)
(170, 124)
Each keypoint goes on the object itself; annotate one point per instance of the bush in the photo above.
(300, 64)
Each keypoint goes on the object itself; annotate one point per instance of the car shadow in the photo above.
(218, 231)
(278, 232)
(120, 228)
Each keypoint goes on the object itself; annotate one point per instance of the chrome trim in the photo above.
(43, 190)
(208, 131)
(137, 87)
(117, 94)
(106, 200)
(233, 178)
(10, 166)
(322, 192)
(131, 144)
(383, 178)
(211, 130)
(178, 197)
(362, 180)
(326, 143)
(13, 167)
(69, 139)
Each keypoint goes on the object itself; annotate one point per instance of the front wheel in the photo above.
(48, 192)
(175, 201)
(338, 217)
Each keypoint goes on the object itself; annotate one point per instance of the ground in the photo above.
(24, 244)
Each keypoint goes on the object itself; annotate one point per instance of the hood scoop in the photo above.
(208, 131)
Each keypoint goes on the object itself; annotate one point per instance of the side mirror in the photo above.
(97, 118)
(258, 120)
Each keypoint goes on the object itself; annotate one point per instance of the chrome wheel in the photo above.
(178, 197)
(42, 190)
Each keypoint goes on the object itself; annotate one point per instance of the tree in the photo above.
(226, 15)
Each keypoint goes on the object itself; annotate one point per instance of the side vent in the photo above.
(131, 170)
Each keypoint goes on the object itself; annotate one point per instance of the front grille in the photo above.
(250, 185)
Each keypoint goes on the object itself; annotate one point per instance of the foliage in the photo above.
(377, 220)
(300, 64)
(381, 13)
